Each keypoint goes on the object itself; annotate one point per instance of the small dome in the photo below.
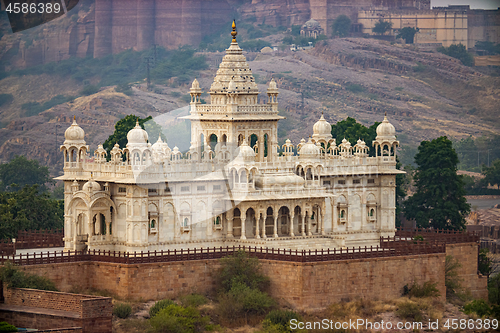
(322, 127)
(311, 24)
(272, 86)
(195, 85)
(386, 129)
(137, 135)
(158, 145)
(74, 134)
(91, 185)
(245, 150)
(309, 150)
(266, 49)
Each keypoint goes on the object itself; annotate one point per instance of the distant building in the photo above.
(442, 25)
(235, 185)
(311, 28)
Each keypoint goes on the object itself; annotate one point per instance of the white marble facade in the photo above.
(235, 185)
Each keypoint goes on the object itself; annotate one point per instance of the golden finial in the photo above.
(234, 32)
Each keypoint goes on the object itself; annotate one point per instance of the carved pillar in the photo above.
(257, 226)
(322, 215)
(334, 216)
(261, 146)
(275, 216)
(292, 216)
(309, 233)
(304, 224)
(229, 217)
(243, 226)
(264, 215)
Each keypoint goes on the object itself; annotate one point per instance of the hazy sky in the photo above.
(475, 4)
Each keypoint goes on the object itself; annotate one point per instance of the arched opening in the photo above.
(283, 221)
(250, 223)
(224, 139)
(111, 220)
(309, 174)
(213, 141)
(269, 222)
(240, 139)
(266, 140)
(202, 142)
(297, 220)
(253, 140)
(237, 223)
(243, 177)
(102, 220)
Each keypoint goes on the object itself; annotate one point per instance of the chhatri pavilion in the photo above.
(235, 185)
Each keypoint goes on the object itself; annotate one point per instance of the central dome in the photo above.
(137, 135)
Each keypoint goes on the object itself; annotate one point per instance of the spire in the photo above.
(234, 32)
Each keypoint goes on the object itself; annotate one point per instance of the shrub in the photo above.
(241, 269)
(279, 321)
(18, 279)
(153, 311)
(6, 327)
(242, 301)
(459, 52)
(428, 289)
(477, 306)
(89, 90)
(419, 67)
(176, 319)
(451, 280)
(494, 289)
(355, 88)
(124, 88)
(410, 311)
(6, 99)
(122, 310)
(341, 26)
(484, 263)
(194, 300)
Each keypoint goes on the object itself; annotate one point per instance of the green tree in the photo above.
(123, 126)
(353, 131)
(408, 34)
(381, 27)
(28, 209)
(341, 26)
(296, 30)
(21, 171)
(439, 201)
(488, 47)
(484, 263)
(401, 185)
(459, 52)
(492, 174)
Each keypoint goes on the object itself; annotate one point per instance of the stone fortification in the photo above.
(303, 285)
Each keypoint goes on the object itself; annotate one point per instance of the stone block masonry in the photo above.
(304, 286)
(46, 310)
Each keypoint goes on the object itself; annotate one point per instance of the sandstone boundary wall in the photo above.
(304, 286)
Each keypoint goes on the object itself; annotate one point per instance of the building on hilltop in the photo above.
(235, 185)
